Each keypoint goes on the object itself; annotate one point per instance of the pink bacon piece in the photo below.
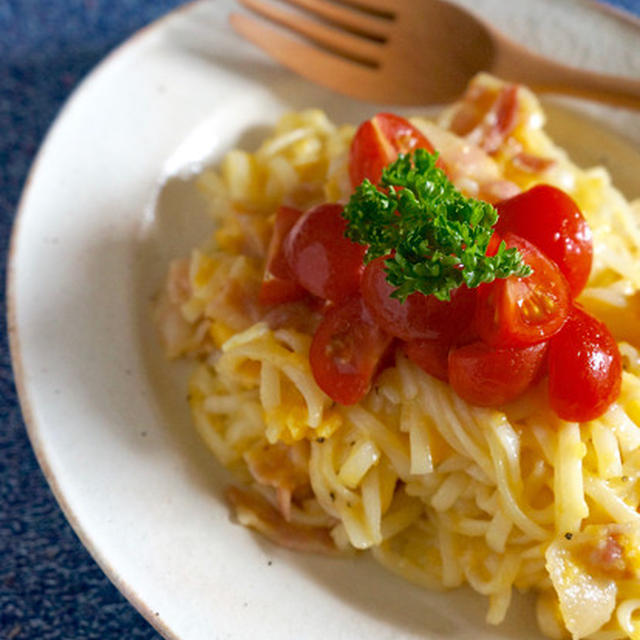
(282, 467)
(252, 510)
(487, 116)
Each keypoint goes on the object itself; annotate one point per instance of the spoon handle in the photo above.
(541, 74)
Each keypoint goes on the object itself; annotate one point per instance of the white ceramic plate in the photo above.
(106, 413)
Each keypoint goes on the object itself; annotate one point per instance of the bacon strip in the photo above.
(493, 191)
(531, 163)
(176, 334)
(470, 168)
(253, 511)
(606, 556)
(486, 116)
(299, 316)
(178, 285)
(283, 467)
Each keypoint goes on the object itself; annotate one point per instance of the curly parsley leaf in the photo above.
(435, 237)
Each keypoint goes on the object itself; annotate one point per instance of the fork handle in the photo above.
(544, 75)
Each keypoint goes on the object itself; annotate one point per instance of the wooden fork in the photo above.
(409, 51)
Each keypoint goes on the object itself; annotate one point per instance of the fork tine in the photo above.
(341, 42)
(371, 26)
(382, 8)
(323, 68)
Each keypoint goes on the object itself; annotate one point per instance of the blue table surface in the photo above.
(50, 588)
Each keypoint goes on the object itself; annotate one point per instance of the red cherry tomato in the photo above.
(431, 356)
(278, 284)
(488, 376)
(494, 244)
(516, 312)
(548, 218)
(322, 259)
(585, 368)
(378, 142)
(419, 316)
(346, 351)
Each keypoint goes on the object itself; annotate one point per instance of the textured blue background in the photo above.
(50, 588)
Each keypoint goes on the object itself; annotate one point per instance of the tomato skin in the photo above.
(516, 312)
(419, 316)
(278, 284)
(346, 351)
(489, 376)
(585, 368)
(494, 244)
(321, 258)
(548, 218)
(431, 356)
(378, 142)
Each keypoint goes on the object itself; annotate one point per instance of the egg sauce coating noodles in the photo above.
(441, 492)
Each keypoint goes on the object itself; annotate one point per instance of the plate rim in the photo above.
(15, 350)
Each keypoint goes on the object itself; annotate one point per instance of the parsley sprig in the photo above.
(436, 237)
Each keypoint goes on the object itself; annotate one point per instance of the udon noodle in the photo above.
(439, 491)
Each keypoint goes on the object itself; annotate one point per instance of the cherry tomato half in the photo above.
(378, 142)
(431, 356)
(346, 351)
(419, 316)
(585, 368)
(278, 284)
(548, 218)
(322, 260)
(489, 376)
(516, 312)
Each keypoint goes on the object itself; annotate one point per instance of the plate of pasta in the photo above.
(298, 366)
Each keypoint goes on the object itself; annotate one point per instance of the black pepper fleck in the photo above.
(320, 440)
(568, 536)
